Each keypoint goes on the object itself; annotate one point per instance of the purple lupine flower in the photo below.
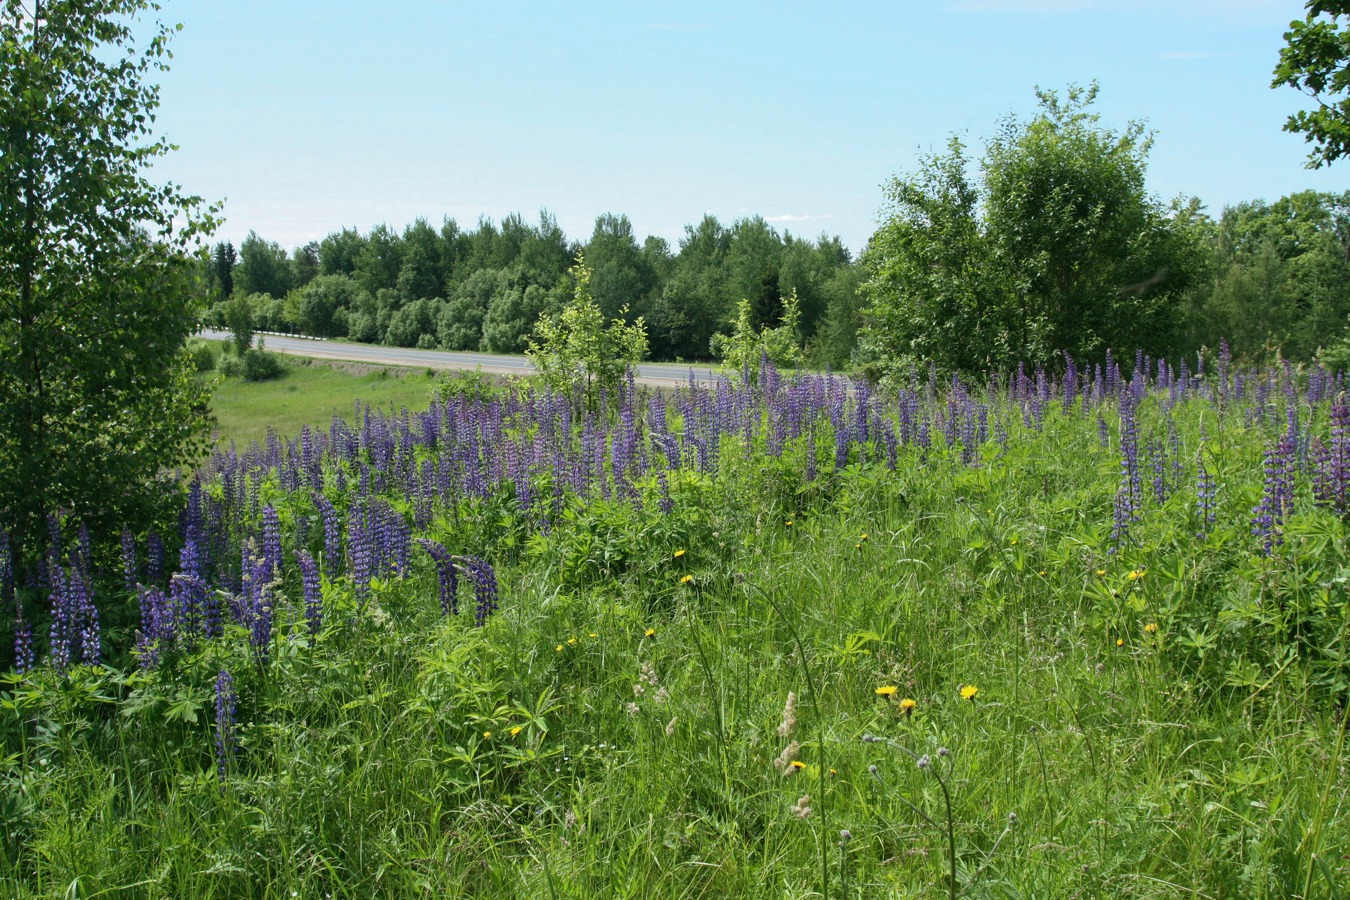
(81, 599)
(157, 627)
(6, 568)
(1204, 495)
(188, 599)
(1332, 484)
(23, 641)
(227, 740)
(63, 628)
(332, 539)
(360, 546)
(312, 590)
(484, 587)
(129, 561)
(1277, 498)
(1156, 455)
(154, 559)
(255, 604)
(446, 578)
(271, 542)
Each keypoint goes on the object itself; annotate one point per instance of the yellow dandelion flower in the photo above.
(857, 546)
(1013, 541)
(1042, 571)
(1151, 627)
(968, 691)
(1135, 575)
(571, 641)
(650, 632)
(1120, 642)
(679, 553)
(797, 764)
(887, 690)
(558, 648)
(487, 735)
(789, 523)
(686, 579)
(864, 536)
(516, 729)
(593, 634)
(908, 705)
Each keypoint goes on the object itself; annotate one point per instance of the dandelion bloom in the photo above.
(797, 764)
(516, 729)
(487, 735)
(887, 690)
(1120, 642)
(650, 632)
(679, 553)
(1151, 627)
(1135, 575)
(1101, 571)
(864, 536)
(571, 641)
(593, 634)
(968, 691)
(907, 705)
(686, 579)
(558, 648)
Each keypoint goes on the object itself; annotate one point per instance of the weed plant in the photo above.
(697, 645)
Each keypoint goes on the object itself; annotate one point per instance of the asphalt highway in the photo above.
(658, 374)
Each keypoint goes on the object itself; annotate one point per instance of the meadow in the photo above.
(1058, 635)
(310, 394)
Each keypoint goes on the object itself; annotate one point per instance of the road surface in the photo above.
(658, 374)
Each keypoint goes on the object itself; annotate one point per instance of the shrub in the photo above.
(203, 357)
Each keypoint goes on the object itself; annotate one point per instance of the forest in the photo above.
(1269, 277)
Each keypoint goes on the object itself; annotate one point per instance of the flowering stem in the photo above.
(820, 740)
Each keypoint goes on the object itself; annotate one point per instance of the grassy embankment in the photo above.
(311, 393)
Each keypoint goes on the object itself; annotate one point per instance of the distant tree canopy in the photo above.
(1277, 279)
(1047, 241)
(1316, 61)
(488, 287)
(1057, 247)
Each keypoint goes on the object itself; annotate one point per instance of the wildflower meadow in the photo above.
(1060, 634)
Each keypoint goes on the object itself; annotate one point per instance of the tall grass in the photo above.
(1149, 714)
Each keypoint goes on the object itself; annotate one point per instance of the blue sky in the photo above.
(306, 117)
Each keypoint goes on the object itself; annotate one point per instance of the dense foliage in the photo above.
(1316, 61)
(96, 395)
(1057, 248)
(695, 643)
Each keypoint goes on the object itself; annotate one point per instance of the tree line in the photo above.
(486, 287)
(1048, 244)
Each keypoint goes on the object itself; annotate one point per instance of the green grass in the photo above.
(311, 393)
(1162, 721)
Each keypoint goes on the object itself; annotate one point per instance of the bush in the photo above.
(260, 365)
(203, 357)
(254, 365)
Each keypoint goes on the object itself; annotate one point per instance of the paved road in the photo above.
(659, 374)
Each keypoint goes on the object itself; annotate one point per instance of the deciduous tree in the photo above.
(1316, 61)
(96, 393)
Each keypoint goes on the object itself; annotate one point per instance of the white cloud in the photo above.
(791, 218)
